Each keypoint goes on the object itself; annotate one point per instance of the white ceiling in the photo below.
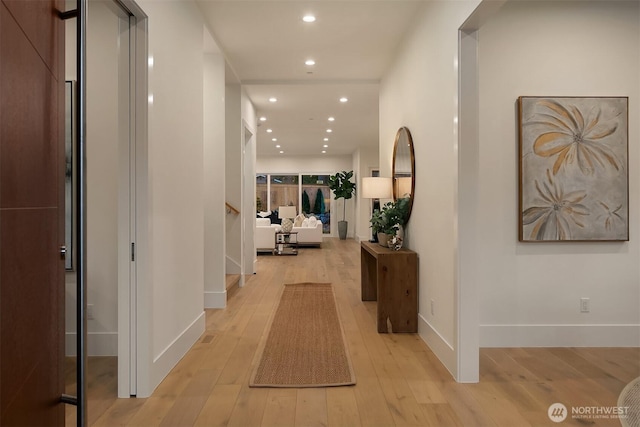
(266, 43)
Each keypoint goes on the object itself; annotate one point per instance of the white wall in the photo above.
(303, 164)
(233, 177)
(214, 180)
(530, 293)
(316, 165)
(248, 112)
(241, 124)
(352, 230)
(176, 182)
(248, 172)
(365, 160)
(420, 91)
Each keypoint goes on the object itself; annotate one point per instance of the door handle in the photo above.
(63, 252)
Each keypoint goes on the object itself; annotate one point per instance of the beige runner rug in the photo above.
(305, 346)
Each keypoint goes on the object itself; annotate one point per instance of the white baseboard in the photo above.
(559, 335)
(98, 344)
(440, 347)
(170, 356)
(215, 299)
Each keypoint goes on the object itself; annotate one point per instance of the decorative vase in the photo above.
(286, 225)
(382, 239)
(394, 242)
(342, 229)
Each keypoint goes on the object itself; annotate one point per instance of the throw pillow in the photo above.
(305, 223)
(313, 221)
(298, 220)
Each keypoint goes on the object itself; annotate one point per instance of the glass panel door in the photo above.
(284, 191)
(108, 199)
(316, 199)
(262, 202)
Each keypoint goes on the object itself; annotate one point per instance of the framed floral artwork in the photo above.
(574, 180)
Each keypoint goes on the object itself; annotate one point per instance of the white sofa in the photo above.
(309, 236)
(265, 235)
(266, 240)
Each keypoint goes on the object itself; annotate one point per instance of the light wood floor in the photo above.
(399, 380)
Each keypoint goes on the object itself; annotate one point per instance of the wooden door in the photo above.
(31, 213)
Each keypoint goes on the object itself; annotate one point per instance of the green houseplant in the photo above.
(342, 188)
(318, 205)
(306, 203)
(377, 222)
(393, 217)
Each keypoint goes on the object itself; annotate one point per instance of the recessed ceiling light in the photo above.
(278, 146)
(326, 139)
(329, 131)
(310, 62)
(309, 18)
(263, 119)
(344, 99)
(281, 152)
(325, 146)
(331, 119)
(324, 151)
(150, 61)
(273, 99)
(269, 130)
(274, 139)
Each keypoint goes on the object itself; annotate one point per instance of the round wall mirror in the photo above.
(403, 167)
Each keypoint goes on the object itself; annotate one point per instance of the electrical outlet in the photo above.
(433, 306)
(584, 305)
(90, 312)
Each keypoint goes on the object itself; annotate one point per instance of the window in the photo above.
(284, 191)
(310, 194)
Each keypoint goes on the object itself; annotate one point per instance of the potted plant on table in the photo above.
(342, 188)
(378, 224)
(389, 222)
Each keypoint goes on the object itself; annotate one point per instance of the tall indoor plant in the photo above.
(342, 188)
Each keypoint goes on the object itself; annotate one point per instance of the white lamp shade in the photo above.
(287, 212)
(376, 187)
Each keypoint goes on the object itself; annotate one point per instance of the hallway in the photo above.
(399, 380)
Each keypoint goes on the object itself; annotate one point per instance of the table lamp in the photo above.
(286, 213)
(376, 187)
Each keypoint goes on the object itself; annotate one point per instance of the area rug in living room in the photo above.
(305, 345)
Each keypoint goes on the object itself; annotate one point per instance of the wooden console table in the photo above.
(391, 278)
